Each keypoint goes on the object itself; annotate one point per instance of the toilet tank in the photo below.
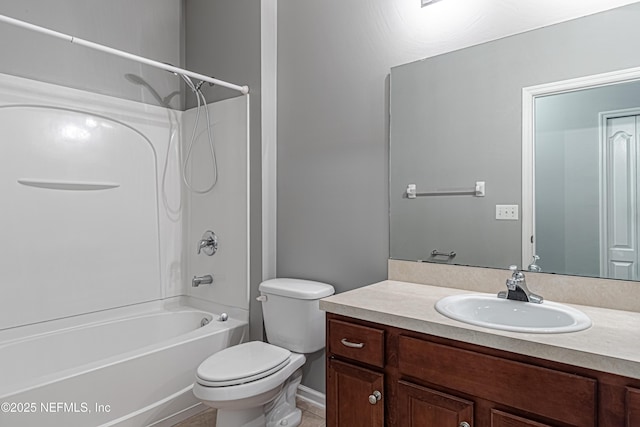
(292, 316)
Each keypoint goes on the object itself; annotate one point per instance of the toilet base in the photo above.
(282, 411)
(279, 412)
(249, 417)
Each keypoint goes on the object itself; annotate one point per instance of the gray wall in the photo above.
(223, 40)
(151, 28)
(332, 150)
(332, 146)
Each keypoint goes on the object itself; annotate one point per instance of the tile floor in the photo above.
(312, 416)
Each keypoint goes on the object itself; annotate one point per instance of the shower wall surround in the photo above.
(224, 210)
(70, 251)
(94, 210)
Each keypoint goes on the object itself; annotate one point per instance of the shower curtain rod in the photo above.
(242, 89)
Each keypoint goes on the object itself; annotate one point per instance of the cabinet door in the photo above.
(502, 419)
(422, 407)
(633, 407)
(354, 396)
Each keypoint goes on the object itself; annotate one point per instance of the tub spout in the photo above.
(201, 280)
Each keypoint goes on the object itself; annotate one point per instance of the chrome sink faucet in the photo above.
(517, 288)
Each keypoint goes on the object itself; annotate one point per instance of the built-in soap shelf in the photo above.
(68, 185)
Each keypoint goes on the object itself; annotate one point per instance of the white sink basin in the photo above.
(492, 312)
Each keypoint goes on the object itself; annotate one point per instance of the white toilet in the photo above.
(254, 384)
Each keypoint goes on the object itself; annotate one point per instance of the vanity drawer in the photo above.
(526, 387)
(360, 343)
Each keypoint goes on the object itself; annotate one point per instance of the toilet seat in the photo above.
(258, 392)
(241, 364)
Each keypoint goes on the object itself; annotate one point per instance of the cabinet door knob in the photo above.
(464, 424)
(373, 398)
(350, 344)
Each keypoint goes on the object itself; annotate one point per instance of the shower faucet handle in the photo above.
(208, 243)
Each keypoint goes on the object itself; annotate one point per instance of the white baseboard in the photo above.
(312, 396)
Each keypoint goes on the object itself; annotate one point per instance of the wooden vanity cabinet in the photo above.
(429, 381)
(355, 375)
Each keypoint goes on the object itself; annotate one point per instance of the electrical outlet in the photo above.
(507, 212)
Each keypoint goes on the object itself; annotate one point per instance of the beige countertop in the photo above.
(611, 344)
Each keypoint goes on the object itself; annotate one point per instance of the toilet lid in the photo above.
(242, 363)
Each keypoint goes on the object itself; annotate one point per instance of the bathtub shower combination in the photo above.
(129, 367)
(95, 325)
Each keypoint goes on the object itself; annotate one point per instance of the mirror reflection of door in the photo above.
(581, 183)
(619, 198)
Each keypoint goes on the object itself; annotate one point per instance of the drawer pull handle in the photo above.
(350, 344)
(464, 424)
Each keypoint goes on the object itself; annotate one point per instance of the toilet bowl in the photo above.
(254, 384)
(240, 394)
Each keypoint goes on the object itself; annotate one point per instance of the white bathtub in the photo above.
(128, 367)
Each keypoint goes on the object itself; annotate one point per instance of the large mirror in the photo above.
(456, 159)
